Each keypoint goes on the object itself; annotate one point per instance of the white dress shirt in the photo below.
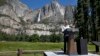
(65, 27)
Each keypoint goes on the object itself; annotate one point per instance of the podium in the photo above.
(69, 36)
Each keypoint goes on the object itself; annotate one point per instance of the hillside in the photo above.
(17, 18)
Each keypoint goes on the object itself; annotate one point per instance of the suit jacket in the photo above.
(67, 32)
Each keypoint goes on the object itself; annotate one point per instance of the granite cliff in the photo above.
(17, 18)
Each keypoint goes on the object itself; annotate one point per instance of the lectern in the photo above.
(69, 38)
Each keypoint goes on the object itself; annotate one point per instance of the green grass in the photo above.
(32, 55)
(13, 46)
(91, 47)
(8, 54)
(6, 47)
(14, 54)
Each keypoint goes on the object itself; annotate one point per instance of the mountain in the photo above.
(17, 18)
(51, 13)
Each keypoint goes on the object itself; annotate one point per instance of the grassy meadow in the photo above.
(11, 47)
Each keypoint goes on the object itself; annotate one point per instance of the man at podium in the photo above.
(66, 30)
(69, 38)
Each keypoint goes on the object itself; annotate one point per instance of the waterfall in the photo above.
(39, 16)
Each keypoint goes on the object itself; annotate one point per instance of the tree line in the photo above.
(87, 19)
(32, 38)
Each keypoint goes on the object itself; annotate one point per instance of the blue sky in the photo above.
(35, 4)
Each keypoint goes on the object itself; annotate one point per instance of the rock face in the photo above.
(17, 18)
(51, 13)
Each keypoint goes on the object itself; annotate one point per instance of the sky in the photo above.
(35, 4)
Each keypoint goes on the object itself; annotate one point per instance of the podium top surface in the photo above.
(73, 29)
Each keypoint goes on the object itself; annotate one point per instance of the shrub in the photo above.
(34, 38)
(56, 38)
(44, 38)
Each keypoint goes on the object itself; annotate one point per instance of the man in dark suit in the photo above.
(66, 32)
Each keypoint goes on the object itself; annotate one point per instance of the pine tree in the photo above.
(94, 18)
(98, 21)
(86, 17)
(93, 4)
(82, 18)
(98, 12)
(79, 17)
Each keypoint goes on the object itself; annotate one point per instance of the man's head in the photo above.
(65, 22)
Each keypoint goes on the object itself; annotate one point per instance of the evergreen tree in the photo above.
(79, 17)
(94, 18)
(93, 4)
(98, 12)
(98, 21)
(86, 17)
